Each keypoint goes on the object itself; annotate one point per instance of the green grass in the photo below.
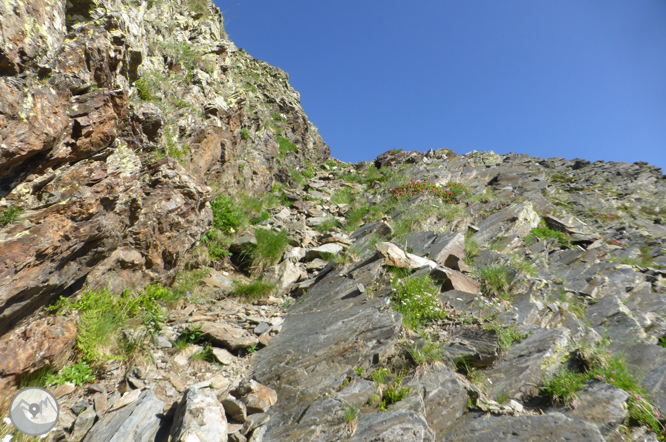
(227, 215)
(327, 225)
(245, 134)
(520, 263)
(575, 305)
(199, 7)
(474, 374)
(351, 414)
(395, 392)
(506, 335)
(270, 247)
(38, 378)
(103, 317)
(78, 374)
(471, 250)
(426, 352)
(543, 232)
(217, 244)
(296, 176)
(343, 196)
(355, 218)
(599, 363)
(494, 280)
(10, 215)
(205, 354)
(256, 289)
(416, 299)
(286, 146)
(187, 283)
(379, 376)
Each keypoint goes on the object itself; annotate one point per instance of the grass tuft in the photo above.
(256, 289)
(416, 299)
(494, 280)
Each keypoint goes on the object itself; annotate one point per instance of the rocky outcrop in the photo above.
(114, 114)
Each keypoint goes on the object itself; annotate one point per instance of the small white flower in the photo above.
(7, 421)
(7, 438)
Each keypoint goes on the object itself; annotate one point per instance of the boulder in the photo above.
(396, 257)
(199, 417)
(453, 280)
(256, 397)
(226, 335)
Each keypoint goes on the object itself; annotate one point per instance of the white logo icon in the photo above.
(34, 411)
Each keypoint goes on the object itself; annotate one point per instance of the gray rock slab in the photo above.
(518, 219)
(418, 242)
(357, 392)
(481, 427)
(398, 426)
(602, 404)
(329, 331)
(610, 317)
(477, 347)
(84, 422)
(447, 249)
(199, 416)
(521, 370)
(443, 395)
(138, 422)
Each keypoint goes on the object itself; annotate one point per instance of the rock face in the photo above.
(113, 115)
(333, 329)
(116, 116)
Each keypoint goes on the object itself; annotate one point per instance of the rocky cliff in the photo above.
(209, 273)
(117, 119)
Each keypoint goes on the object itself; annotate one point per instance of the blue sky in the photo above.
(567, 78)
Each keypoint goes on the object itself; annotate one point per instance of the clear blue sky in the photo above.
(565, 78)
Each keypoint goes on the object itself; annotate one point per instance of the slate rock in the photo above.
(555, 427)
(517, 219)
(398, 426)
(258, 398)
(609, 316)
(453, 280)
(223, 356)
(333, 329)
(602, 404)
(357, 392)
(322, 251)
(84, 422)
(235, 408)
(522, 368)
(396, 257)
(477, 347)
(137, 421)
(199, 416)
(226, 335)
(443, 395)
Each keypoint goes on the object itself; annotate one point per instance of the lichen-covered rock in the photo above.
(95, 94)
